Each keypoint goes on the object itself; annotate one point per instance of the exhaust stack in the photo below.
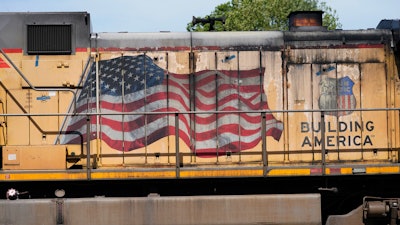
(306, 21)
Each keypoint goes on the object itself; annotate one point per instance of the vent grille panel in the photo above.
(49, 39)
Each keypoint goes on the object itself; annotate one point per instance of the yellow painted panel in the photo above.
(9, 77)
(358, 55)
(313, 130)
(18, 102)
(349, 123)
(274, 90)
(289, 172)
(32, 176)
(64, 103)
(299, 98)
(132, 174)
(385, 169)
(376, 133)
(249, 60)
(346, 170)
(48, 71)
(221, 173)
(43, 102)
(178, 62)
(34, 157)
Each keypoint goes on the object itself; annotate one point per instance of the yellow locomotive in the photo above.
(304, 106)
(78, 105)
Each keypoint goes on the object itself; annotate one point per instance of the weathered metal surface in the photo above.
(230, 104)
(329, 39)
(36, 158)
(155, 210)
(354, 217)
(187, 41)
(13, 26)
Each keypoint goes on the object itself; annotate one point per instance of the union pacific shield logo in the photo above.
(337, 94)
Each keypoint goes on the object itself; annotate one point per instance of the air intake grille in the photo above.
(49, 39)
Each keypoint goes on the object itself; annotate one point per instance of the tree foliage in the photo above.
(252, 15)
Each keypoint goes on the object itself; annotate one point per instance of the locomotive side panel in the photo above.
(25, 99)
(221, 82)
(43, 129)
(317, 79)
(134, 66)
(218, 100)
(347, 132)
(342, 90)
(274, 86)
(393, 88)
(299, 97)
(37, 79)
(18, 127)
(375, 134)
(227, 74)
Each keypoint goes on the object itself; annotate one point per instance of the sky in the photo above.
(173, 15)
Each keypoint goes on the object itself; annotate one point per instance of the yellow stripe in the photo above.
(385, 169)
(132, 174)
(221, 173)
(289, 172)
(33, 176)
(346, 170)
(42, 176)
(25, 176)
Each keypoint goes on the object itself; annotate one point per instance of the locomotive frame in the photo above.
(326, 104)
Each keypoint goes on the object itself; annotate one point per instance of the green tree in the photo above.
(251, 15)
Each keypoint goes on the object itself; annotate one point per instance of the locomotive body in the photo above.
(78, 105)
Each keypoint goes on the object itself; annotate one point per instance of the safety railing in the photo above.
(260, 156)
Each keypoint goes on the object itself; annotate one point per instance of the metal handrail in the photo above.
(264, 153)
(201, 112)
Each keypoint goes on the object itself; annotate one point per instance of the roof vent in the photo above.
(306, 21)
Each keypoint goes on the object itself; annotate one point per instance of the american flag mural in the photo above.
(134, 84)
